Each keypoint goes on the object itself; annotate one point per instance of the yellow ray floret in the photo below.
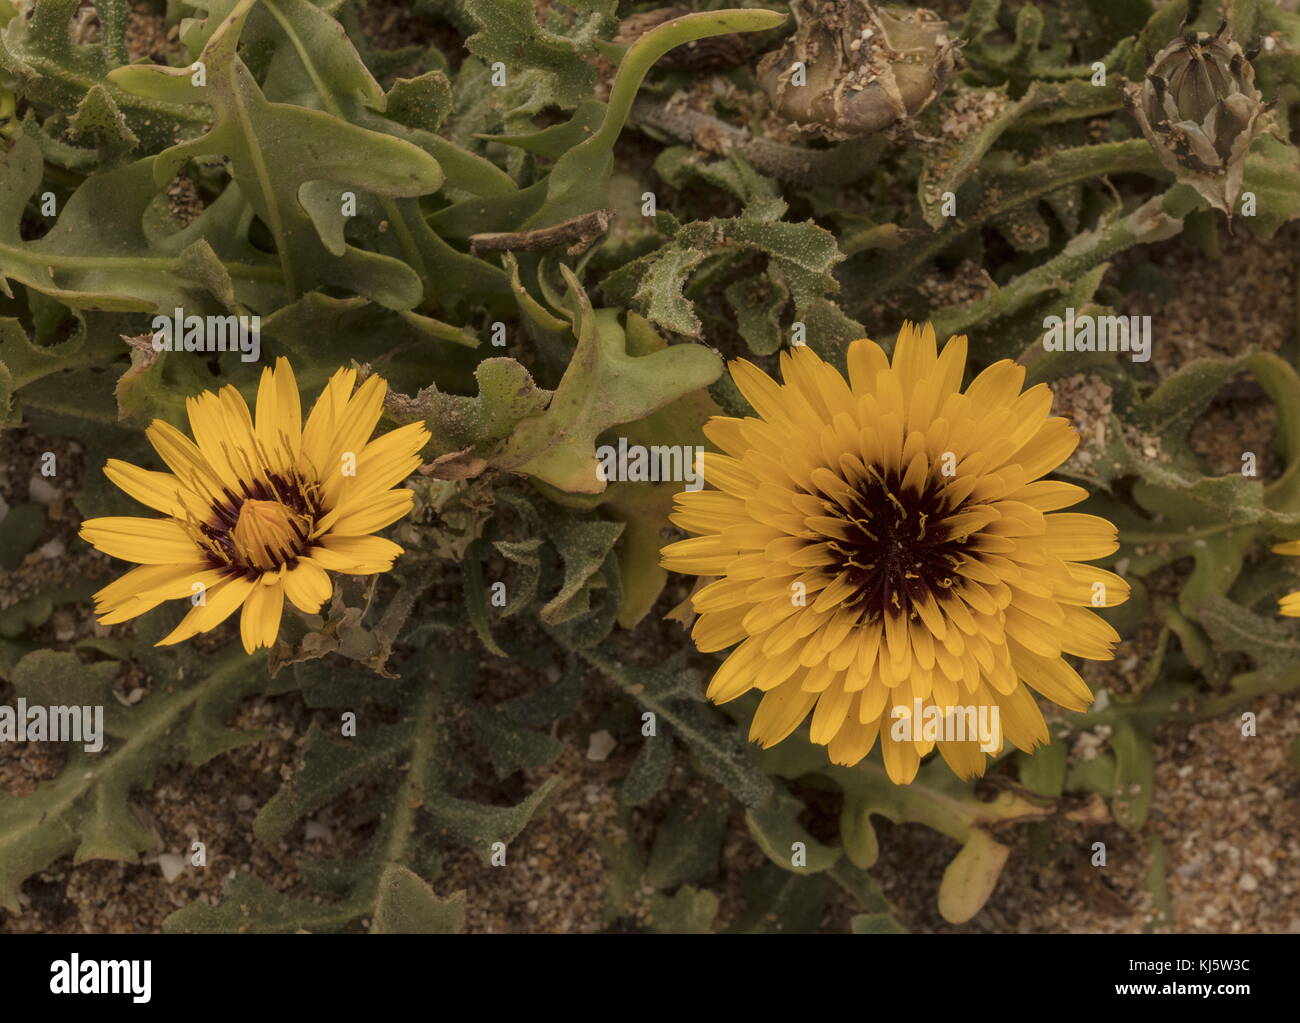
(258, 510)
(1290, 604)
(889, 559)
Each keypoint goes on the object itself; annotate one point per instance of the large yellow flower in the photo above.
(888, 539)
(258, 512)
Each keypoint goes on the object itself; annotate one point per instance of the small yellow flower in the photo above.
(257, 512)
(1290, 604)
(888, 539)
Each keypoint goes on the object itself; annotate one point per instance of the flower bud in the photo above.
(1200, 110)
(853, 68)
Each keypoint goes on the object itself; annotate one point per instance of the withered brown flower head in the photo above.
(864, 68)
(1201, 112)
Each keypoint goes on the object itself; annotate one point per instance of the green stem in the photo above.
(579, 180)
(1005, 192)
(67, 262)
(1150, 222)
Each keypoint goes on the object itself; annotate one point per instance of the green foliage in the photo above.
(548, 63)
(415, 809)
(86, 809)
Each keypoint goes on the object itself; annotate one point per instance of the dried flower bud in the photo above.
(1200, 110)
(714, 53)
(853, 68)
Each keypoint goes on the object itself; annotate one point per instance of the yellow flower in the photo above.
(258, 512)
(888, 539)
(1290, 604)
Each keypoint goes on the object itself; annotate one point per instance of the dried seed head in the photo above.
(1200, 110)
(864, 68)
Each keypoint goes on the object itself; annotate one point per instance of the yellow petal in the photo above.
(370, 516)
(279, 414)
(161, 491)
(355, 555)
(1073, 536)
(780, 712)
(144, 541)
(866, 360)
(184, 458)
(319, 433)
(259, 625)
(308, 586)
(219, 604)
(382, 464)
(966, 759)
(900, 756)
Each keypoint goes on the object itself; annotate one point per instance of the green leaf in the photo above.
(584, 546)
(661, 293)
(20, 528)
(546, 62)
(86, 809)
(875, 923)
(1095, 775)
(510, 747)
(506, 397)
(415, 762)
(98, 115)
(579, 181)
(98, 254)
(722, 754)
(602, 387)
(949, 166)
(687, 911)
(776, 828)
(970, 878)
(642, 507)
(649, 771)
(758, 303)
(777, 901)
(250, 906)
(801, 258)
(26, 614)
(1043, 771)
(688, 843)
(316, 65)
(936, 799)
(39, 57)
(1157, 882)
(1135, 772)
(275, 149)
(407, 905)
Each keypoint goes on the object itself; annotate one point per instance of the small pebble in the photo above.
(171, 865)
(41, 490)
(600, 745)
(315, 829)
